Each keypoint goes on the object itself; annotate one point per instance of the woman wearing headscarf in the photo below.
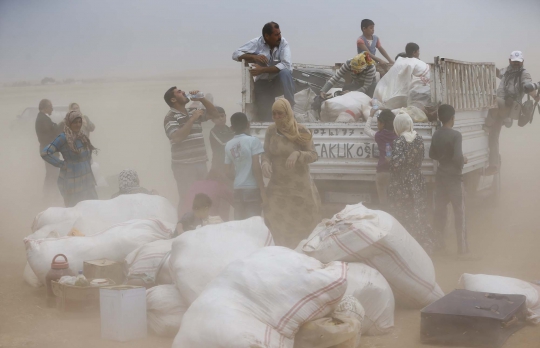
(128, 183)
(87, 125)
(292, 208)
(362, 71)
(76, 180)
(407, 190)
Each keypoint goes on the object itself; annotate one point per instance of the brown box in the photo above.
(104, 268)
(77, 298)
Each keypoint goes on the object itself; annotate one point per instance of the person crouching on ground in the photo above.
(242, 155)
(293, 208)
(76, 180)
(128, 184)
(446, 148)
(198, 216)
(407, 190)
(385, 141)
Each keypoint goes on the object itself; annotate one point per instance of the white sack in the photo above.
(30, 277)
(100, 179)
(357, 102)
(113, 244)
(262, 300)
(507, 286)
(393, 88)
(199, 256)
(95, 216)
(302, 106)
(165, 309)
(373, 292)
(416, 114)
(54, 216)
(419, 96)
(48, 231)
(143, 262)
(376, 238)
(345, 117)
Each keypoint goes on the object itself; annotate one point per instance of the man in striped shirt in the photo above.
(184, 131)
(362, 71)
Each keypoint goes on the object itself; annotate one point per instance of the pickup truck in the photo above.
(345, 171)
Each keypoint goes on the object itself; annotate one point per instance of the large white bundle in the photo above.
(165, 309)
(505, 285)
(417, 115)
(376, 238)
(302, 106)
(197, 257)
(54, 216)
(373, 292)
(357, 102)
(406, 73)
(91, 217)
(262, 300)
(143, 263)
(114, 243)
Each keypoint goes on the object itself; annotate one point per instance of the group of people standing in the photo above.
(290, 202)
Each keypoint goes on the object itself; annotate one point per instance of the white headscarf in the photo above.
(403, 125)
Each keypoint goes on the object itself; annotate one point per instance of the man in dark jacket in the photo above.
(47, 131)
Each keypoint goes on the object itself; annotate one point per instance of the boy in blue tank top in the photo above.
(371, 42)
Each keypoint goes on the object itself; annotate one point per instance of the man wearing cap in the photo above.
(272, 69)
(509, 98)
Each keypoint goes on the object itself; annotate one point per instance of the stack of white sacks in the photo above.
(234, 289)
(227, 285)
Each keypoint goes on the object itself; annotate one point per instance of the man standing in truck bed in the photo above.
(271, 55)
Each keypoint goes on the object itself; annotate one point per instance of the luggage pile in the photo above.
(227, 285)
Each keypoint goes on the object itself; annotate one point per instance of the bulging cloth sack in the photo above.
(406, 74)
(342, 329)
(149, 263)
(376, 238)
(505, 285)
(262, 300)
(356, 102)
(373, 292)
(94, 216)
(114, 244)
(198, 256)
(165, 309)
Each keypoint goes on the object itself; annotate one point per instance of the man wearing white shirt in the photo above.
(271, 55)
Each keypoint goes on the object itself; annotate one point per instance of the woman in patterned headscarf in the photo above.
(128, 182)
(292, 208)
(76, 180)
(407, 190)
(362, 71)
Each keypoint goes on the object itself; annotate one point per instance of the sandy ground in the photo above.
(129, 132)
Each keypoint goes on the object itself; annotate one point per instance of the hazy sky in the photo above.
(99, 38)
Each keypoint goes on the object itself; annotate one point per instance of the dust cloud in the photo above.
(191, 49)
